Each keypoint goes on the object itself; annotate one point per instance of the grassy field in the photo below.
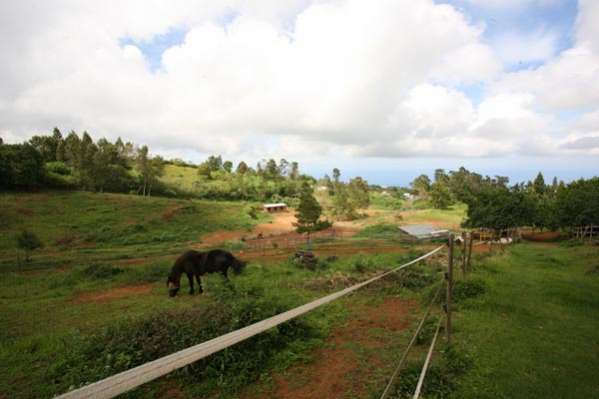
(535, 332)
(89, 333)
(77, 225)
(93, 302)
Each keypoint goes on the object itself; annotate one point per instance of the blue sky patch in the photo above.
(152, 49)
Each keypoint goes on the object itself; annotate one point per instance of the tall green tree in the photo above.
(440, 196)
(422, 185)
(539, 184)
(308, 213)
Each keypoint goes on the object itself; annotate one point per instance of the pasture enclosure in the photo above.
(120, 383)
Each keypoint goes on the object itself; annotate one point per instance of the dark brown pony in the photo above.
(194, 263)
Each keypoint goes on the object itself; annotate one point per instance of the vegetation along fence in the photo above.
(127, 380)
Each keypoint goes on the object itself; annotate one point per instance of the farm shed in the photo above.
(422, 232)
(280, 207)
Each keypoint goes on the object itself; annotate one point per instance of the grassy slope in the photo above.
(182, 177)
(73, 225)
(535, 333)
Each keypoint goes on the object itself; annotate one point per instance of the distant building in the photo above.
(422, 232)
(408, 196)
(280, 207)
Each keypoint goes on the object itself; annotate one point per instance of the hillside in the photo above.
(71, 223)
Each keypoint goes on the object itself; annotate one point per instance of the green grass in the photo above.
(54, 340)
(450, 218)
(76, 225)
(383, 200)
(534, 333)
(182, 177)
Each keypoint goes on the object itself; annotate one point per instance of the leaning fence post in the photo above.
(449, 278)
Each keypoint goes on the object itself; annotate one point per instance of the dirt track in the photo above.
(338, 370)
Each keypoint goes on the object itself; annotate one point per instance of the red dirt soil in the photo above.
(279, 230)
(546, 236)
(112, 294)
(335, 370)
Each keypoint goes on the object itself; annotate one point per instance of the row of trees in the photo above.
(268, 181)
(78, 162)
(493, 203)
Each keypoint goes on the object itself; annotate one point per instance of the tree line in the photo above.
(78, 162)
(494, 203)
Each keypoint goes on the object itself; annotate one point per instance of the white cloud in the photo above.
(366, 78)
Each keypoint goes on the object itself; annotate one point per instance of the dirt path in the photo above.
(112, 294)
(343, 368)
(279, 229)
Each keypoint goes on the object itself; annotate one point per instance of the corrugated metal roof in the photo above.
(422, 230)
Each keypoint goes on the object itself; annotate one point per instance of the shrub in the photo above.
(468, 289)
(134, 342)
(415, 278)
(441, 377)
(28, 241)
(59, 168)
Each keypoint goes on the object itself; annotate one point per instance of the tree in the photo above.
(440, 196)
(577, 204)
(342, 205)
(422, 184)
(242, 168)
(149, 170)
(440, 176)
(336, 175)
(21, 166)
(308, 213)
(359, 193)
(228, 166)
(539, 184)
(294, 174)
(28, 242)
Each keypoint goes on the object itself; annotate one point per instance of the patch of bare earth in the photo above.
(336, 370)
(545, 236)
(112, 294)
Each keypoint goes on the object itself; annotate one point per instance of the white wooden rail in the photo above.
(127, 380)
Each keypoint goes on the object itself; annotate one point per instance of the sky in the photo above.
(385, 89)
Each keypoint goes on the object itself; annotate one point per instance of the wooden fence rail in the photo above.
(127, 380)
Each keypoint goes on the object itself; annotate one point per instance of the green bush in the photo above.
(441, 376)
(59, 168)
(134, 342)
(468, 289)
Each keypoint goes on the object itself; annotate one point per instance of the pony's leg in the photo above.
(190, 278)
(225, 274)
(200, 290)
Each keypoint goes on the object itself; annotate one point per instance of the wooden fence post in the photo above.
(471, 238)
(463, 255)
(449, 289)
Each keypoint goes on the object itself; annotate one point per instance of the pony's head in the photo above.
(238, 266)
(173, 285)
